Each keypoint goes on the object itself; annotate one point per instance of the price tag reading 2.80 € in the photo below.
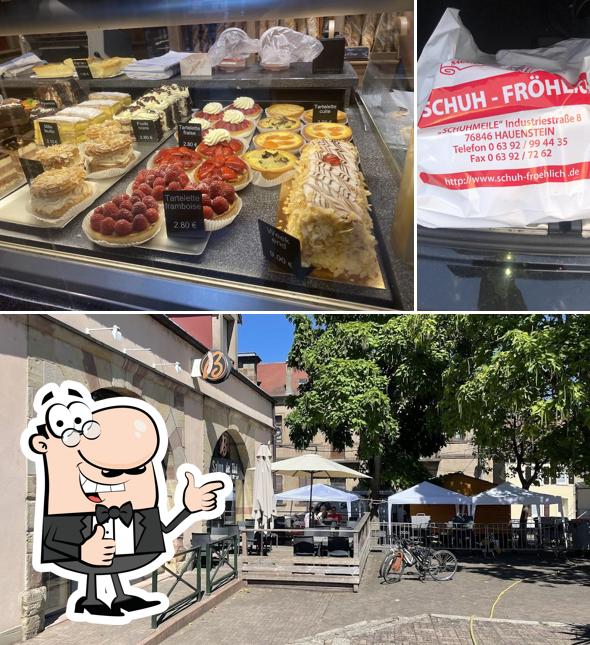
(183, 210)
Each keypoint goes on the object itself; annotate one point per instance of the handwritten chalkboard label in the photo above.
(356, 53)
(31, 167)
(50, 133)
(325, 113)
(183, 210)
(48, 104)
(280, 248)
(82, 68)
(147, 129)
(189, 135)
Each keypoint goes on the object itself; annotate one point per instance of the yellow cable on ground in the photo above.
(502, 593)
(471, 632)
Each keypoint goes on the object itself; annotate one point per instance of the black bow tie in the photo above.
(124, 513)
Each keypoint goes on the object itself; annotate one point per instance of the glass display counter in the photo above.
(225, 269)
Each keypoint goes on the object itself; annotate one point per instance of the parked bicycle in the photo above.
(438, 564)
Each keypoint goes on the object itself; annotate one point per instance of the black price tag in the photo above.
(50, 133)
(146, 130)
(189, 135)
(356, 53)
(183, 210)
(280, 248)
(31, 168)
(82, 68)
(325, 113)
(48, 104)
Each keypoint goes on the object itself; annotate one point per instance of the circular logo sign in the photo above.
(215, 367)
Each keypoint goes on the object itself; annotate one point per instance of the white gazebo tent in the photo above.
(508, 494)
(426, 493)
(320, 493)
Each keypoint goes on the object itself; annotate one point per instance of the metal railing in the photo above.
(191, 563)
(220, 553)
(223, 549)
(488, 538)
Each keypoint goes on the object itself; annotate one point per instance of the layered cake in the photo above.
(102, 67)
(55, 192)
(103, 129)
(13, 118)
(110, 107)
(112, 151)
(270, 163)
(235, 123)
(279, 140)
(63, 155)
(125, 219)
(71, 128)
(122, 98)
(328, 211)
(92, 115)
(181, 96)
(247, 107)
(11, 174)
(64, 93)
(285, 109)
(53, 70)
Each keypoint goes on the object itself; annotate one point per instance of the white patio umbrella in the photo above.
(263, 503)
(317, 466)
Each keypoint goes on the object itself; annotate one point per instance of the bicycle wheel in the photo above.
(393, 567)
(443, 565)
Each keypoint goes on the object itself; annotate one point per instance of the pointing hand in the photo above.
(201, 498)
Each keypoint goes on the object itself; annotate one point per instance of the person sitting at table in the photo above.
(333, 515)
(321, 515)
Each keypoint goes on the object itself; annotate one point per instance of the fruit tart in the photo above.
(219, 200)
(211, 111)
(217, 140)
(125, 219)
(279, 140)
(231, 169)
(247, 107)
(332, 131)
(236, 124)
(186, 157)
(154, 182)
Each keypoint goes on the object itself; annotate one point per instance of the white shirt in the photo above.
(124, 536)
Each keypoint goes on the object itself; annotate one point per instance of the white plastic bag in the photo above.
(502, 140)
(232, 43)
(281, 46)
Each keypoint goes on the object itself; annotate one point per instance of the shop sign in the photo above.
(230, 467)
(215, 367)
(183, 210)
(325, 113)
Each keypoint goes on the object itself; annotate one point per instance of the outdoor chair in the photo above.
(303, 546)
(338, 547)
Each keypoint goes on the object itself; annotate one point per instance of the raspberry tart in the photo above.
(247, 107)
(123, 221)
(217, 140)
(220, 203)
(236, 124)
(153, 182)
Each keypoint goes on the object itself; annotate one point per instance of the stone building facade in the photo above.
(39, 349)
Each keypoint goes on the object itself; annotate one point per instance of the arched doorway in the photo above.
(226, 459)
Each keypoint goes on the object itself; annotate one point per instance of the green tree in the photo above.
(376, 378)
(522, 388)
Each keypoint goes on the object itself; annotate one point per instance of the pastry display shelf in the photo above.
(232, 274)
(297, 83)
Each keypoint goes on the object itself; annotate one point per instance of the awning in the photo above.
(508, 494)
(320, 493)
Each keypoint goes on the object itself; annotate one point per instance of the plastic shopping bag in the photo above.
(502, 140)
(281, 46)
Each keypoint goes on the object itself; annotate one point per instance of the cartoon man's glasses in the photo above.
(71, 437)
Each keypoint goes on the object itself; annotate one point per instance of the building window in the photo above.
(304, 480)
(338, 483)
(562, 479)
(278, 483)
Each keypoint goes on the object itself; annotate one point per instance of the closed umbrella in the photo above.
(263, 504)
(317, 466)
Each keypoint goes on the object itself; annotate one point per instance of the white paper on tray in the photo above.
(262, 182)
(69, 215)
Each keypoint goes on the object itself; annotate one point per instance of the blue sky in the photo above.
(269, 335)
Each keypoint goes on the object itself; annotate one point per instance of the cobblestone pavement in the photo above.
(450, 630)
(549, 591)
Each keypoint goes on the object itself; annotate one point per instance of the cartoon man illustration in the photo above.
(101, 498)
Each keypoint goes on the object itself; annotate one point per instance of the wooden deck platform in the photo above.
(281, 567)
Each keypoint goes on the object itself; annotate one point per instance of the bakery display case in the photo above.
(171, 182)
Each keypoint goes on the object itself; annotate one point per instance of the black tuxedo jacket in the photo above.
(63, 535)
